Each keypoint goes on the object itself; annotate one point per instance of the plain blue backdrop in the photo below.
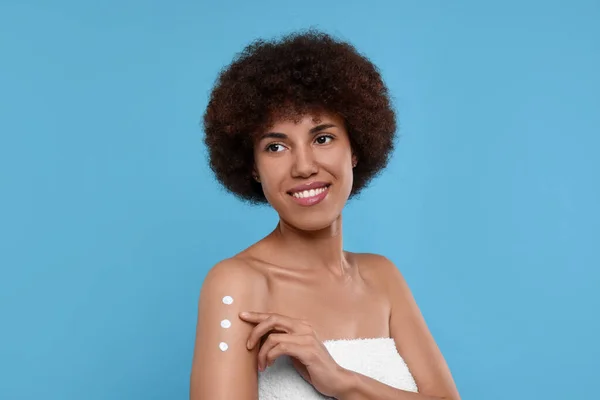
(110, 218)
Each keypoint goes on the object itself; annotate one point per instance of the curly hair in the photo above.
(302, 73)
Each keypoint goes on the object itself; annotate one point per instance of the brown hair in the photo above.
(305, 72)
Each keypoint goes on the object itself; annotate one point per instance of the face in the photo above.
(305, 169)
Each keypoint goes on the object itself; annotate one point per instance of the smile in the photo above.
(310, 197)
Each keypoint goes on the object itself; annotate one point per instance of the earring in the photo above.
(256, 178)
(354, 164)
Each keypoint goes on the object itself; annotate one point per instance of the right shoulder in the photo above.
(238, 279)
(235, 275)
(220, 354)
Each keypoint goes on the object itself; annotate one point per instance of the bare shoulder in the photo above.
(220, 352)
(380, 270)
(408, 328)
(237, 280)
(234, 274)
(373, 261)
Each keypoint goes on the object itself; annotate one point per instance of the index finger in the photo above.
(268, 322)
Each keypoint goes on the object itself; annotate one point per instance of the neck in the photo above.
(322, 249)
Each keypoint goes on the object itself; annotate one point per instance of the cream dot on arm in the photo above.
(226, 323)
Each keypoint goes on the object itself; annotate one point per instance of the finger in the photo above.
(258, 317)
(273, 322)
(301, 352)
(252, 316)
(272, 340)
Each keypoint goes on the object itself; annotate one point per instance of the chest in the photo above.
(335, 310)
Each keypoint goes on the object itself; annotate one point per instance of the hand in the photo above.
(297, 339)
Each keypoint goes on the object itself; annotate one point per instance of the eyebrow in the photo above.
(312, 131)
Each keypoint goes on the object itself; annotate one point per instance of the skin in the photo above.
(301, 287)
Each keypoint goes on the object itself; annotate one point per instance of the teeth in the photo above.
(309, 193)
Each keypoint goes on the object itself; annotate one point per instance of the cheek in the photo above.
(340, 167)
(270, 194)
(349, 179)
(271, 179)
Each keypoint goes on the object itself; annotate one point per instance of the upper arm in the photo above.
(229, 374)
(414, 340)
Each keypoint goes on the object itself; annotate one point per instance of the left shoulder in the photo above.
(380, 269)
(409, 330)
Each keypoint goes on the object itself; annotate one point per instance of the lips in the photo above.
(310, 194)
(308, 186)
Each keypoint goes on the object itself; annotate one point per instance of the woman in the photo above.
(304, 123)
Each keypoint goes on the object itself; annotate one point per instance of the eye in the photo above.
(274, 147)
(324, 139)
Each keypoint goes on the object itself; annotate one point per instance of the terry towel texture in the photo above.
(377, 358)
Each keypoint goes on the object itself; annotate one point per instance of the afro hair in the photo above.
(299, 74)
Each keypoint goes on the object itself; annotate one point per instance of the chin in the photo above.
(311, 225)
(310, 220)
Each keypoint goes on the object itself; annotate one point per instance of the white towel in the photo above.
(376, 358)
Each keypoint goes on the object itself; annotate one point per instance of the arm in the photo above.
(414, 343)
(229, 374)
(361, 387)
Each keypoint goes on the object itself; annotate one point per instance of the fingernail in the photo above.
(248, 344)
(244, 314)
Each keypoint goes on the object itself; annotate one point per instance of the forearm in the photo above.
(360, 387)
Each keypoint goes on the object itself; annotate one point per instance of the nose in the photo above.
(304, 163)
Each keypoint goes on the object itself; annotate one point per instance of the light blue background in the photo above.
(110, 219)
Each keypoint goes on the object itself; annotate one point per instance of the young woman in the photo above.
(303, 124)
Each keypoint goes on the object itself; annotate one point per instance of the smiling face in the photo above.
(305, 169)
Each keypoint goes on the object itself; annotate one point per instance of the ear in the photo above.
(255, 174)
